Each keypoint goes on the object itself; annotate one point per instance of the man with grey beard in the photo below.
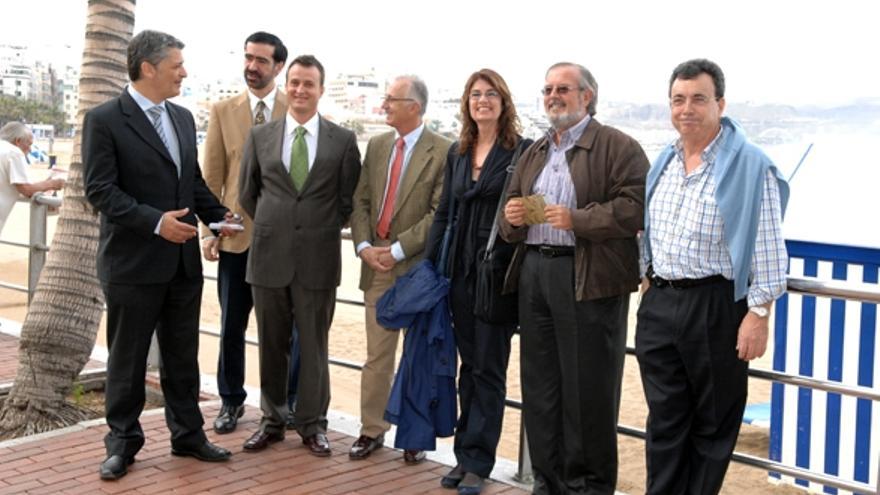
(575, 265)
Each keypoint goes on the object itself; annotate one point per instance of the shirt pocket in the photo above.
(703, 223)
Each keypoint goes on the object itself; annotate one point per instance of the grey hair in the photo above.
(149, 46)
(587, 82)
(418, 91)
(14, 131)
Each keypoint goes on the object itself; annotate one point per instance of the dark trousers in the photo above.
(236, 302)
(133, 313)
(572, 365)
(312, 310)
(694, 384)
(482, 380)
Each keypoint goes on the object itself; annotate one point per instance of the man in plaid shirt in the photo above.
(715, 261)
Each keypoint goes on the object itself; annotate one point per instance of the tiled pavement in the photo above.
(66, 461)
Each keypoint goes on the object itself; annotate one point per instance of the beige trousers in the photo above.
(378, 372)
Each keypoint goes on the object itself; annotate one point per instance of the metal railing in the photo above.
(38, 247)
(37, 244)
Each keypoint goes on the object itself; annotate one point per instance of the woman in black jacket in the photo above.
(476, 168)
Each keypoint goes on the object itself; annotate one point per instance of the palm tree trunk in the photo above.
(62, 321)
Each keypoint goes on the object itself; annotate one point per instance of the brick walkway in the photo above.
(66, 461)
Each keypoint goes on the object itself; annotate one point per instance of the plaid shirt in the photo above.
(687, 235)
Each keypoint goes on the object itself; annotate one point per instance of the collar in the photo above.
(311, 125)
(410, 139)
(708, 154)
(143, 102)
(268, 100)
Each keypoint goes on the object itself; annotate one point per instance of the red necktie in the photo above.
(384, 226)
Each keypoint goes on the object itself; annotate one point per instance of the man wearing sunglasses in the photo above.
(576, 264)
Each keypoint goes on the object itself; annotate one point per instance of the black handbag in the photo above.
(490, 304)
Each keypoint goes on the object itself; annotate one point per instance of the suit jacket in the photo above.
(228, 127)
(131, 179)
(417, 197)
(297, 233)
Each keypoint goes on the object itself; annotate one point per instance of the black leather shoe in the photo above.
(115, 467)
(412, 457)
(227, 420)
(207, 452)
(318, 444)
(471, 484)
(260, 440)
(453, 477)
(364, 446)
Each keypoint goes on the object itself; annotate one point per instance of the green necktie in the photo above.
(299, 159)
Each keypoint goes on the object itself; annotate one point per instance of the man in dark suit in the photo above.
(142, 174)
(297, 179)
(228, 127)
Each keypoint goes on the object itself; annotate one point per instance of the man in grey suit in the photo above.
(299, 200)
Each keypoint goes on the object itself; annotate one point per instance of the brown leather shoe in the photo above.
(260, 440)
(364, 446)
(318, 444)
(413, 457)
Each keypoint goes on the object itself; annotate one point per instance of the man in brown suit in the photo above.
(396, 197)
(228, 127)
(576, 266)
(297, 179)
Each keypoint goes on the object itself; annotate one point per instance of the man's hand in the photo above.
(176, 231)
(371, 256)
(56, 184)
(387, 259)
(751, 341)
(210, 248)
(558, 217)
(515, 212)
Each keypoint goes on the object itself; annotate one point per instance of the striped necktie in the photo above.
(156, 117)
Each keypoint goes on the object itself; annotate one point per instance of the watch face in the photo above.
(760, 311)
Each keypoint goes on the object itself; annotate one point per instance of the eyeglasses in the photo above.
(679, 101)
(490, 95)
(391, 99)
(560, 90)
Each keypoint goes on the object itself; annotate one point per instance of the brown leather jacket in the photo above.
(608, 169)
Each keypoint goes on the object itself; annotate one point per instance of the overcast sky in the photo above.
(780, 51)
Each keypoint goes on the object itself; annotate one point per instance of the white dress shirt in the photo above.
(311, 137)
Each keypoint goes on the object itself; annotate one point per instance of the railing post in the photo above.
(37, 241)
(524, 462)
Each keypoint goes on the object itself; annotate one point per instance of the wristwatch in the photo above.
(761, 311)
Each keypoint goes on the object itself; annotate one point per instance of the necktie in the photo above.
(156, 116)
(384, 226)
(260, 117)
(299, 159)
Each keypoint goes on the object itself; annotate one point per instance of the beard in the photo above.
(259, 83)
(562, 121)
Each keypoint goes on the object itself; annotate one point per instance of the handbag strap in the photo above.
(450, 225)
(494, 233)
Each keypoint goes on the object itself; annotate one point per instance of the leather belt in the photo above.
(682, 283)
(551, 251)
